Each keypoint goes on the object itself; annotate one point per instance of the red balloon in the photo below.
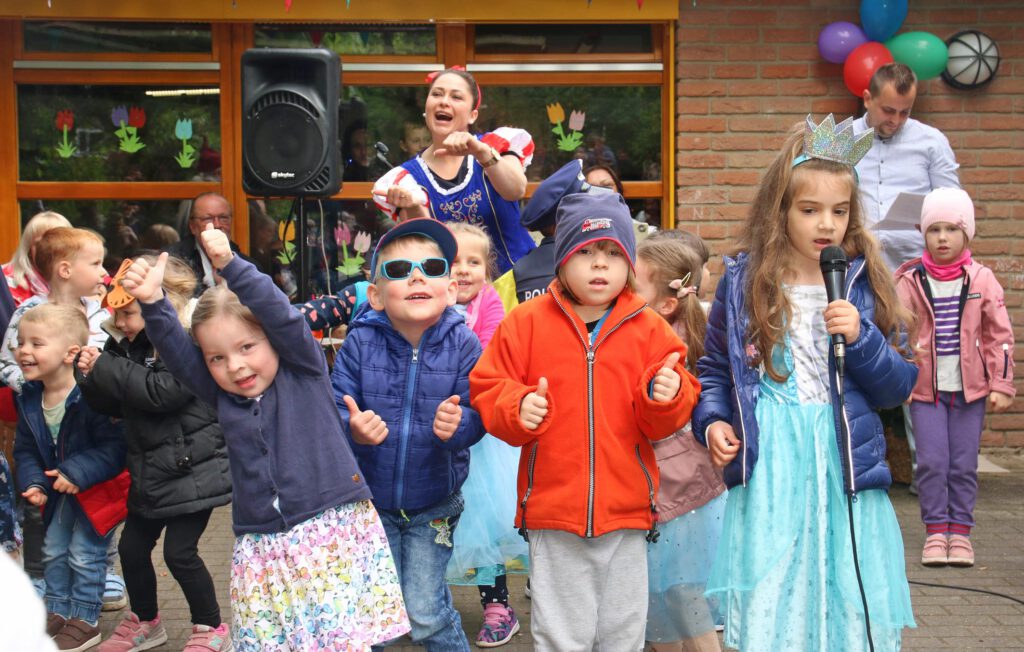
(862, 64)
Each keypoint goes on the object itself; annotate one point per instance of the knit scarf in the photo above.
(949, 271)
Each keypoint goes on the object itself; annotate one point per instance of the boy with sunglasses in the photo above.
(401, 382)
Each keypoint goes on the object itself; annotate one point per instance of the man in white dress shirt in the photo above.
(907, 156)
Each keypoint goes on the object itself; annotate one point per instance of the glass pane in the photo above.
(389, 115)
(647, 211)
(331, 227)
(134, 38)
(74, 133)
(563, 39)
(125, 225)
(620, 126)
(351, 39)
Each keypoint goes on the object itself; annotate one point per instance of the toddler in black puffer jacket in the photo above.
(177, 461)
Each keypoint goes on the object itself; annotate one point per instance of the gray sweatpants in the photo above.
(588, 594)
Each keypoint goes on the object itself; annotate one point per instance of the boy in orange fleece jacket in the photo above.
(584, 378)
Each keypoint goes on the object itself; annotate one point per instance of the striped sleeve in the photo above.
(398, 176)
(511, 140)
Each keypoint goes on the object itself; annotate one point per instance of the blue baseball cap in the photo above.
(423, 226)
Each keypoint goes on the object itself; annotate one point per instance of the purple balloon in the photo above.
(837, 40)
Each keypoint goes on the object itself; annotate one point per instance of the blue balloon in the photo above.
(882, 18)
(838, 40)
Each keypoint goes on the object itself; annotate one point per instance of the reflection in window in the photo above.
(133, 38)
(390, 115)
(125, 225)
(116, 133)
(351, 39)
(341, 235)
(619, 126)
(563, 39)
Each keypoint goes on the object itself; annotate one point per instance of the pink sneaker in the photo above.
(500, 625)
(133, 635)
(961, 552)
(936, 549)
(205, 638)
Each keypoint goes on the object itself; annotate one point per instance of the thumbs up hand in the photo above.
(145, 282)
(217, 246)
(447, 417)
(666, 381)
(534, 407)
(367, 427)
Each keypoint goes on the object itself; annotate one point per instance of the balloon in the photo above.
(925, 53)
(882, 18)
(838, 40)
(862, 64)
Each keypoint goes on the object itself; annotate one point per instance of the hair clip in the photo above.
(834, 142)
(680, 286)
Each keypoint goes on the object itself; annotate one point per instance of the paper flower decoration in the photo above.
(65, 122)
(350, 265)
(128, 124)
(186, 158)
(566, 142)
(286, 232)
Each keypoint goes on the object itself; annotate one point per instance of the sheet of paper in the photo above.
(903, 215)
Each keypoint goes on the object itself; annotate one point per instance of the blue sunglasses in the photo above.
(399, 269)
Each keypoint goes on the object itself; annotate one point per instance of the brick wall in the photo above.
(748, 70)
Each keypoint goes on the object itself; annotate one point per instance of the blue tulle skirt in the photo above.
(784, 571)
(677, 572)
(487, 543)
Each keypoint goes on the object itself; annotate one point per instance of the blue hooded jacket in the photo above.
(877, 376)
(412, 468)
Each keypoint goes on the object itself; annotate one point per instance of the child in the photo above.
(310, 567)
(71, 262)
(415, 138)
(784, 569)
(965, 353)
(584, 378)
(70, 462)
(690, 499)
(486, 544)
(401, 382)
(177, 462)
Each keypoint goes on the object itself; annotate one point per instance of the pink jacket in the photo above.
(986, 337)
(484, 313)
(688, 478)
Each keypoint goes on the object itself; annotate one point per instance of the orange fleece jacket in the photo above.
(569, 478)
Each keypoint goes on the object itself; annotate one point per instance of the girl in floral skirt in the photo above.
(311, 568)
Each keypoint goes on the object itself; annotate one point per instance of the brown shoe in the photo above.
(77, 636)
(54, 623)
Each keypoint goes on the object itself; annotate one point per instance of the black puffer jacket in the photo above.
(176, 453)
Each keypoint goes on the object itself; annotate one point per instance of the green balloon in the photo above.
(925, 53)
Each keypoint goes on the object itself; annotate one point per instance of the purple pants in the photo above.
(948, 434)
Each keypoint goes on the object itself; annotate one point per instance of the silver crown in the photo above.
(836, 142)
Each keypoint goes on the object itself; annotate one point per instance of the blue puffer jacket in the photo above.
(876, 377)
(412, 468)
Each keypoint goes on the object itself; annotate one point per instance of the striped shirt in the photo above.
(946, 307)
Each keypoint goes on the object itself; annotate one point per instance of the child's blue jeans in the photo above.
(421, 543)
(74, 564)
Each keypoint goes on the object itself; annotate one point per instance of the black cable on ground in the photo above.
(967, 588)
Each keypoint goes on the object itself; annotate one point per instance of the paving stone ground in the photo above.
(947, 619)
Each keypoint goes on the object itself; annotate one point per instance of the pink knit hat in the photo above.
(951, 205)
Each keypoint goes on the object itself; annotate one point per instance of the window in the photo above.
(352, 39)
(130, 38)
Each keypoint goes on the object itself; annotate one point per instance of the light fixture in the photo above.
(175, 92)
(973, 60)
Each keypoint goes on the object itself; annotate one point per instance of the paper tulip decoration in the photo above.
(128, 124)
(64, 123)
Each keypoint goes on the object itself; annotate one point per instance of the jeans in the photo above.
(74, 563)
(421, 543)
(948, 438)
(181, 553)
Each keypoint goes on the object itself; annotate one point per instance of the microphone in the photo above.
(382, 153)
(833, 269)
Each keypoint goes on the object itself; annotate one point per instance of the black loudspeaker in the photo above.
(290, 122)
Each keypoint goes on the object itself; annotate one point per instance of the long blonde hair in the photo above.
(23, 270)
(764, 238)
(669, 259)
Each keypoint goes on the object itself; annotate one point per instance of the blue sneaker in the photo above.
(114, 596)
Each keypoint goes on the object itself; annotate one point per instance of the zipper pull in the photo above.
(415, 355)
(590, 356)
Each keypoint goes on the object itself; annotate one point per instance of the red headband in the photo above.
(479, 93)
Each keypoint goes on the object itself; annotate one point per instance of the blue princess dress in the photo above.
(784, 571)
